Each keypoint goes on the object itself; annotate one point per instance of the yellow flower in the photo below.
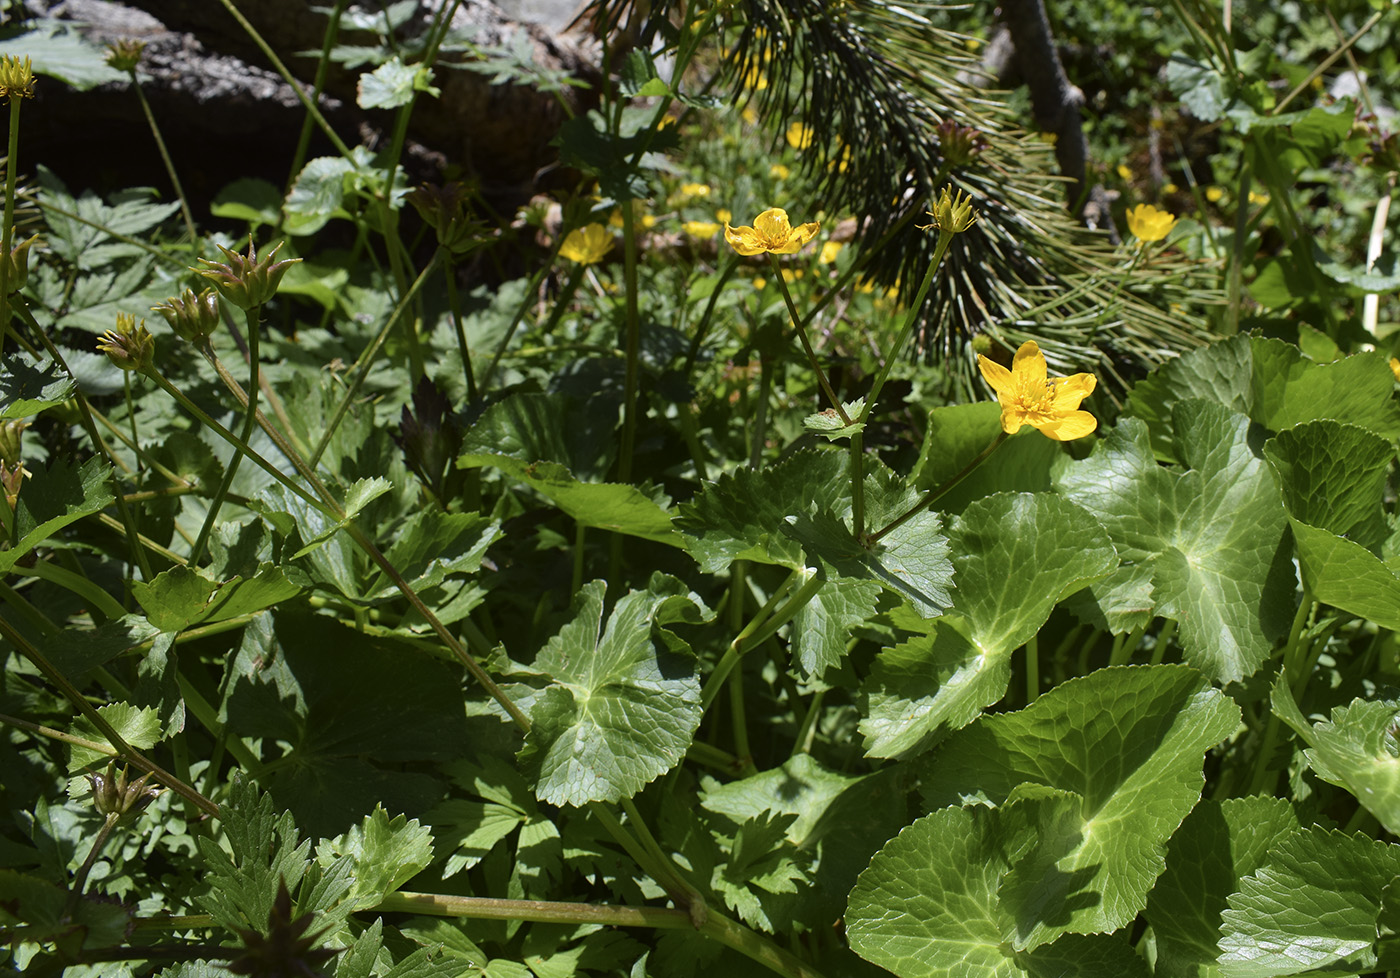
(1147, 223)
(1029, 396)
(700, 229)
(723, 215)
(800, 136)
(695, 190)
(1215, 194)
(829, 252)
(790, 276)
(1258, 198)
(1124, 171)
(779, 172)
(1170, 188)
(755, 79)
(1395, 369)
(759, 282)
(749, 115)
(586, 245)
(770, 233)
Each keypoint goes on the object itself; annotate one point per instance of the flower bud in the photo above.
(444, 209)
(247, 280)
(112, 795)
(952, 214)
(10, 432)
(125, 55)
(19, 265)
(16, 78)
(959, 144)
(191, 317)
(129, 346)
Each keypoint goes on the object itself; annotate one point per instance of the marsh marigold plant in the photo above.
(1028, 395)
(1148, 223)
(770, 233)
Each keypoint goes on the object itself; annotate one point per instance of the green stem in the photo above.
(759, 629)
(857, 467)
(631, 343)
(96, 598)
(459, 326)
(7, 228)
(806, 343)
(802, 743)
(185, 211)
(933, 494)
(366, 358)
(59, 735)
(80, 878)
(250, 421)
(317, 86)
(74, 696)
(541, 911)
(297, 88)
(911, 319)
(1235, 282)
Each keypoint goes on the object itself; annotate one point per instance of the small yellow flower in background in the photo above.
(1170, 188)
(972, 43)
(771, 233)
(1147, 223)
(792, 275)
(1049, 137)
(667, 120)
(723, 215)
(800, 136)
(1029, 396)
(1395, 368)
(1124, 172)
(759, 283)
(1258, 198)
(700, 229)
(842, 160)
(1215, 194)
(695, 190)
(754, 79)
(829, 252)
(1159, 124)
(779, 172)
(648, 221)
(865, 287)
(586, 245)
(749, 116)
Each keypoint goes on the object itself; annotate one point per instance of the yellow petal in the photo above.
(773, 224)
(1028, 366)
(804, 232)
(1074, 425)
(1069, 391)
(995, 375)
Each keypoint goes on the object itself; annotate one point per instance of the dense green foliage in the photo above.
(657, 610)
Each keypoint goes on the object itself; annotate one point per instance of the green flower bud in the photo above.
(10, 432)
(247, 280)
(952, 215)
(445, 210)
(125, 55)
(16, 78)
(113, 795)
(959, 144)
(19, 265)
(192, 317)
(129, 346)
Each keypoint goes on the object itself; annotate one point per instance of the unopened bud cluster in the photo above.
(959, 144)
(112, 794)
(191, 317)
(125, 55)
(16, 78)
(18, 265)
(129, 346)
(952, 214)
(247, 280)
(445, 210)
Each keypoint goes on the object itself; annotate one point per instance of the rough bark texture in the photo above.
(214, 92)
(1025, 50)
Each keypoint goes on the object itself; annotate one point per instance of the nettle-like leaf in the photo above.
(561, 448)
(928, 905)
(1212, 536)
(744, 514)
(266, 850)
(1128, 743)
(763, 873)
(435, 545)
(1316, 903)
(384, 853)
(1219, 844)
(392, 84)
(180, 597)
(1358, 748)
(469, 828)
(139, 726)
(29, 385)
(1273, 384)
(54, 497)
(1015, 557)
(624, 698)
